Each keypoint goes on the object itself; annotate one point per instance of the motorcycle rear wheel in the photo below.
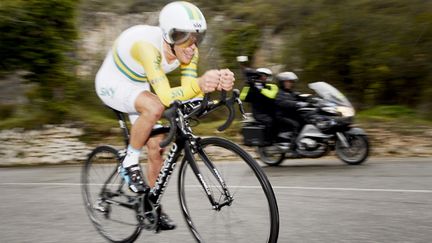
(271, 155)
(358, 151)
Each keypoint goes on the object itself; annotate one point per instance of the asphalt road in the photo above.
(322, 200)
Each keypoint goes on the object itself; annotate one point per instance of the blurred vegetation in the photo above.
(38, 36)
(244, 39)
(393, 113)
(377, 52)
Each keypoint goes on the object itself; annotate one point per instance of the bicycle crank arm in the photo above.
(123, 204)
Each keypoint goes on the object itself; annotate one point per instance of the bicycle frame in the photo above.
(199, 158)
(184, 140)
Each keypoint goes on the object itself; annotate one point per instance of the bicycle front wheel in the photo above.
(251, 214)
(105, 196)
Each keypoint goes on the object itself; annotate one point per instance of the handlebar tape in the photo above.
(170, 114)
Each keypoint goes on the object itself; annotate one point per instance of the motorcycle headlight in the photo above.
(346, 111)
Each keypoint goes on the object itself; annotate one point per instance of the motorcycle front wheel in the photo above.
(271, 155)
(356, 153)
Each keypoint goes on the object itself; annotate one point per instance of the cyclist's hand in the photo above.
(209, 81)
(226, 80)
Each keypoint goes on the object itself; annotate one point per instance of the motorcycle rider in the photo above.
(287, 103)
(261, 94)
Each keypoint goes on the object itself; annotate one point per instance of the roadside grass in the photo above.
(398, 119)
(100, 124)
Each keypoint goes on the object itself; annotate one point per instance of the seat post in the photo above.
(122, 122)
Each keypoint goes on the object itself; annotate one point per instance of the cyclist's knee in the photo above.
(155, 113)
(149, 105)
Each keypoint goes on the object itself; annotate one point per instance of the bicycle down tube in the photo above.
(166, 171)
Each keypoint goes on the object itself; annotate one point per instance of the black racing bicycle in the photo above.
(239, 204)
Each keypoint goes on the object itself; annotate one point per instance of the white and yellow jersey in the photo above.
(138, 55)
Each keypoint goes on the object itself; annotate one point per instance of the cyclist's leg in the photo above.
(155, 161)
(149, 110)
(154, 157)
(122, 94)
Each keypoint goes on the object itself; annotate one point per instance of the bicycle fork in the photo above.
(228, 199)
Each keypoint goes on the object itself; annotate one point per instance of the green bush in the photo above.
(38, 36)
(241, 40)
(6, 111)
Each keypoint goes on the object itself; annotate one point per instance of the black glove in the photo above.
(301, 104)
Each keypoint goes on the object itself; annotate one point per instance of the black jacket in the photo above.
(286, 109)
(286, 101)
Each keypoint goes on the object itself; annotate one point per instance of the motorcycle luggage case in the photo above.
(256, 135)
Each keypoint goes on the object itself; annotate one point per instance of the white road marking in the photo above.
(245, 187)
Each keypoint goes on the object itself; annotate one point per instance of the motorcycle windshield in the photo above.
(330, 93)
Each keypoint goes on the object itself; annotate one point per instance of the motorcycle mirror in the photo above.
(242, 59)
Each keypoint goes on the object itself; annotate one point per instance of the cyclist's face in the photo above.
(186, 50)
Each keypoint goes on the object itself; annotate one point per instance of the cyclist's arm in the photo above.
(151, 60)
(189, 75)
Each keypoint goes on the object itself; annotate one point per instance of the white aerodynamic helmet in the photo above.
(287, 76)
(179, 20)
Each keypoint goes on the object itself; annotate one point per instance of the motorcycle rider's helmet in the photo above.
(286, 76)
(180, 20)
(266, 74)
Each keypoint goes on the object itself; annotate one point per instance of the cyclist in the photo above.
(138, 62)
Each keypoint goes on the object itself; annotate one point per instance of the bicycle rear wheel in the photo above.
(101, 186)
(253, 214)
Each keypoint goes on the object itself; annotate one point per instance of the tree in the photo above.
(38, 37)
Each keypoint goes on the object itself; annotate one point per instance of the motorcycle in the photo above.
(328, 126)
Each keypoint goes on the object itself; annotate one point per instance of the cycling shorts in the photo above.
(116, 90)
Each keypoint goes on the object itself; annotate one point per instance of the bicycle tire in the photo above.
(253, 185)
(100, 170)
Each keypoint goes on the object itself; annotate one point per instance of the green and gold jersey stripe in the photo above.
(126, 70)
(189, 72)
(189, 75)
